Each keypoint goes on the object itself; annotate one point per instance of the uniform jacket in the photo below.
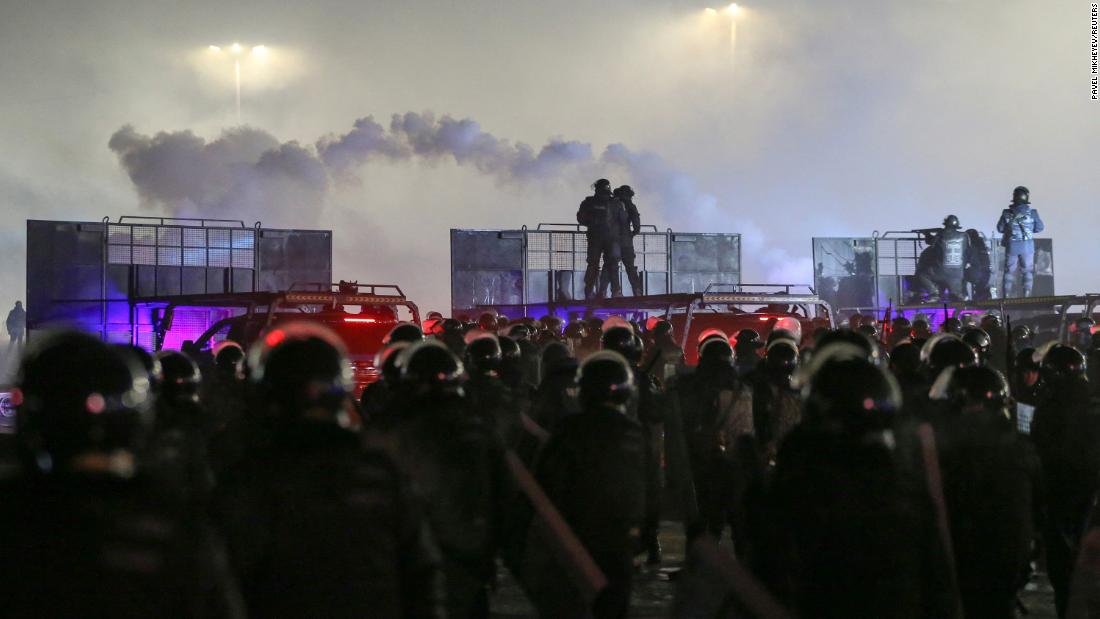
(1019, 222)
(605, 217)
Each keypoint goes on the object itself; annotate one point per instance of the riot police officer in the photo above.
(625, 194)
(847, 529)
(991, 530)
(178, 453)
(379, 402)
(317, 524)
(593, 469)
(980, 341)
(457, 462)
(604, 217)
(707, 401)
(747, 345)
(487, 395)
(775, 404)
(648, 409)
(556, 396)
(85, 532)
(1018, 225)
(952, 248)
(1067, 437)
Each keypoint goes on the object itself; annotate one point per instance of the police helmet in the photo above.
(979, 340)
(905, 359)
(76, 395)
(576, 330)
(1062, 361)
(869, 329)
(180, 376)
(605, 378)
(946, 350)
(624, 191)
(748, 339)
(509, 350)
(991, 322)
(229, 359)
(404, 332)
(843, 389)
(622, 341)
(951, 221)
(519, 331)
(301, 372)
(715, 352)
(662, 328)
(713, 334)
(386, 362)
(1021, 195)
(853, 338)
(973, 386)
(483, 355)
(602, 185)
(148, 362)
(781, 358)
(429, 370)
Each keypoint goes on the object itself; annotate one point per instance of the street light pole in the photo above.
(237, 66)
(733, 10)
(259, 51)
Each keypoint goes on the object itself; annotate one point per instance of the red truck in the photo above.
(361, 314)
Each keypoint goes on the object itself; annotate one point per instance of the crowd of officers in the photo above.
(876, 470)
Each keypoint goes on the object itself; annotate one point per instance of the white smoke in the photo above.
(247, 173)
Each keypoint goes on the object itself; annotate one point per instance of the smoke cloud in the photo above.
(247, 173)
(242, 174)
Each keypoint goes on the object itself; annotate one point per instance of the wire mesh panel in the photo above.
(844, 271)
(172, 245)
(897, 260)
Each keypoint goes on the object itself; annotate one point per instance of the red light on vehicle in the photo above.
(360, 320)
(764, 318)
(275, 337)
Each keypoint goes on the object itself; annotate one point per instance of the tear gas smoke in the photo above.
(248, 174)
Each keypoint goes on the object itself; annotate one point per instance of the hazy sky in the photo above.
(828, 118)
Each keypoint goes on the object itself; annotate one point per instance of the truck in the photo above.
(361, 314)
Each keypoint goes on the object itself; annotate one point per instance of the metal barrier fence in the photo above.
(546, 264)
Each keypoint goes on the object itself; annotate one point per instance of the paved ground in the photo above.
(653, 594)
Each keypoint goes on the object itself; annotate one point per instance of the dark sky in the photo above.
(827, 118)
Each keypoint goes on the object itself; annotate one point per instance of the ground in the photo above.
(653, 594)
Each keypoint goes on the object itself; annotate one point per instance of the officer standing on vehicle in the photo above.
(604, 216)
(952, 247)
(1018, 225)
(626, 195)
